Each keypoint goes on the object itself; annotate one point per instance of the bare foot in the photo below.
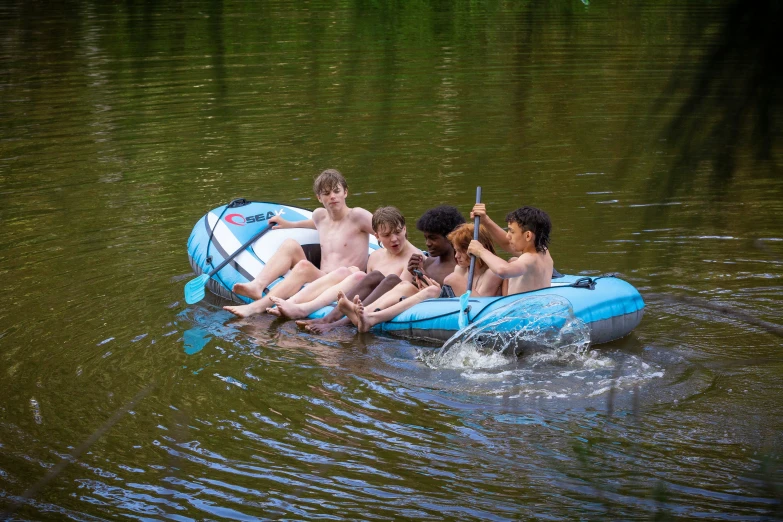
(253, 291)
(304, 323)
(365, 322)
(355, 312)
(319, 328)
(346, 307)
(245, 310)
(274, 311)
(286, 308)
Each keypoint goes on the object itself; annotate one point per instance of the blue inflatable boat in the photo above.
(608, 305)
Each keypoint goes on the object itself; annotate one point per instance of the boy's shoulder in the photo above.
(378, 253)
(361, 218)
(411, 249)
(359, 212)
(532, 257)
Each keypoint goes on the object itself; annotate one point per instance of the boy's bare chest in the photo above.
(338, 235)
(388, 264)
(438, 270)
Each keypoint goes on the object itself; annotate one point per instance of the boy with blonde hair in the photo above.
(344, 235)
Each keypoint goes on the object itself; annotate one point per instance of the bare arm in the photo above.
(497, 234)
(416, 262)
(277, 222)
(373, 260)
(363, 219)
(496, 264)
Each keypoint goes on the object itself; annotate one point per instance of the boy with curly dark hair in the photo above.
(436, 224)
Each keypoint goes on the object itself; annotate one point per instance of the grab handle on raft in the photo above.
(584, 282)
(238, 202)
(194, 290)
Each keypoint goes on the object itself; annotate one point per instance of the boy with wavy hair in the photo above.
(528, 238)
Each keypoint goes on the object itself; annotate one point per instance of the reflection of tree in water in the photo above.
(732, 108)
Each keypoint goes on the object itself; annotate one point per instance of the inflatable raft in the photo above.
(610, 306)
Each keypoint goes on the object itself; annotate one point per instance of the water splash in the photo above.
(542, 329)
(534, 348)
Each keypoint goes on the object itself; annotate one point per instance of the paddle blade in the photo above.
(194, 290)
(463, 307)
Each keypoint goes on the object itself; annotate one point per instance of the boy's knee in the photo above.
(290, 245)
(407, 288)
(304, 267)
(343, 271)
(392, 279)
(292, 250)
(375, 277)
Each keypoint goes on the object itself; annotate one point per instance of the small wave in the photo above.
(535, 349)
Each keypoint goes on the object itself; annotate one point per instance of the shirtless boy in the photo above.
(436, 224)
(344, 235)
(389, 227)
(528, 237)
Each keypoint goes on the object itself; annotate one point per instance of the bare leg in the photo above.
(287, 256)
(404, 289)
(322, 284)
(336, 319)
(319, 328)
(287, 308)
(388, 283)
(366, 320)
(364, 289)
(302, 273)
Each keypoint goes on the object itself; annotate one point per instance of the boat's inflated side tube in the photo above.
(610, 307)
(224, 229)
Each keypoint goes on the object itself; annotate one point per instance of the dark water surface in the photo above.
(122, 123)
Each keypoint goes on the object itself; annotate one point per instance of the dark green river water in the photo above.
(122, 123)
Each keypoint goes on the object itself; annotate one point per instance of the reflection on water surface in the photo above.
(123, 123)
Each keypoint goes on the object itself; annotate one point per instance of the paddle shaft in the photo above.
(239, 250)
(476, 223)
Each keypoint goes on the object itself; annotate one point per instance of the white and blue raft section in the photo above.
(607, 306)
